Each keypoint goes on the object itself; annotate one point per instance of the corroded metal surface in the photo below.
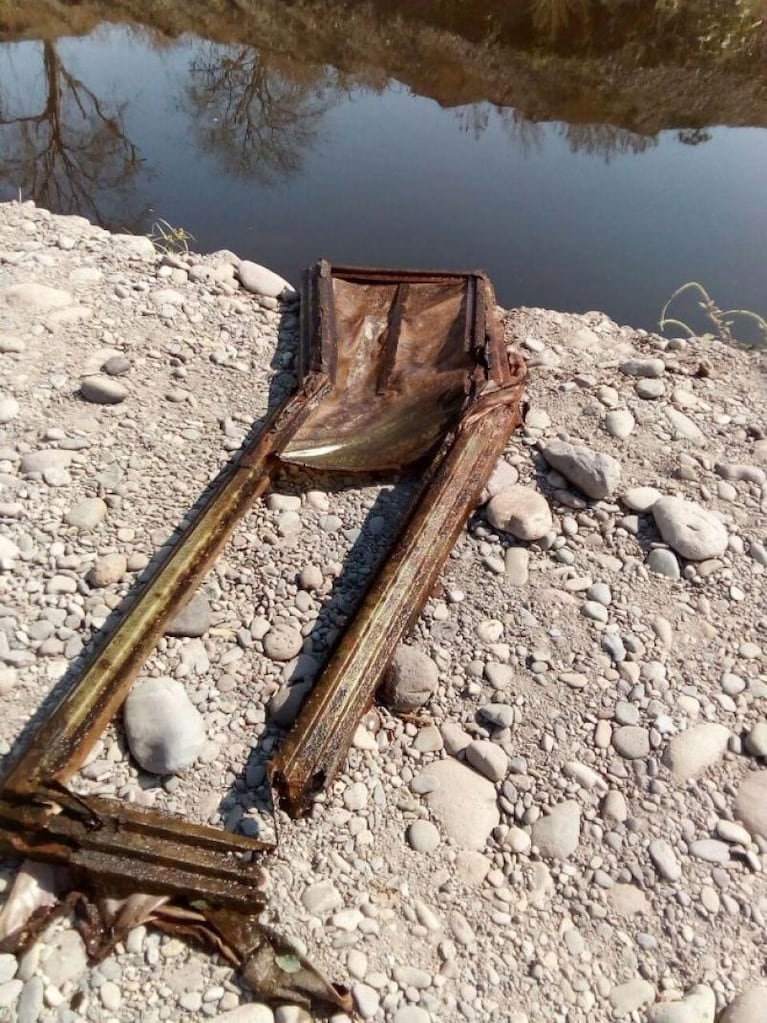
(398, 370)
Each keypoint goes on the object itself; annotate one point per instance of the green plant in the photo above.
(167, 238)
(722, 319)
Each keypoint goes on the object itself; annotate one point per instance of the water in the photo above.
(284, 161)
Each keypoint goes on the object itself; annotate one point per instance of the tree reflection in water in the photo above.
(256, 119)
(73, 155)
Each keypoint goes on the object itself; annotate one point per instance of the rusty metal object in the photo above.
(398, 370)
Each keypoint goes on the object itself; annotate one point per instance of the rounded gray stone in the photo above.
(694, 750)
(87, 514)
(193, 620)
(411, 679)
(749, 1007)
(619, 423)
(663, 562)
(261, 281)
(287, 701)
(697, 1006)
(521, 511)
(488, 758)
(283, 643)
(692, 531)
(751, 802)
(756, 740)
(631, 741)
(595, 473)
(557, 834)
(463, 803)
(165, 731)
(422, 836)
(103, 390)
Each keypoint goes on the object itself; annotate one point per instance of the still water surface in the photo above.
(283, 170)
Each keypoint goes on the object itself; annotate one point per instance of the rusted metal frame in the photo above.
(322, 734)
(40, 818)
(63, 740)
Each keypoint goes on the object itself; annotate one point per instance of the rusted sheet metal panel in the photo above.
(432, 375)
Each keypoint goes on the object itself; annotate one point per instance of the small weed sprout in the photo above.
(722, 319)
(166, 238)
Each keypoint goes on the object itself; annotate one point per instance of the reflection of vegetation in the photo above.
(607, 140)
(73, 155)
(256, 120)
(723, 320)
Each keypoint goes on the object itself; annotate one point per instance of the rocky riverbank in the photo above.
(570, 824)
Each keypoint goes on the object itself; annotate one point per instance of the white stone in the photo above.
(557, 834)
(463, 803)
(9, 409)
(488, 758)
(619, 423)
(641, 499)
(521, 511)
(103, 390)
(87, 514)
(595, 473)
(36, 297)
(422, 836)
(411, 679)
(749, 1007)
(694, 750)
(756, 740)
(751, 802)
(165, 731)
(135, 245)
(692, 531)
(631, 996)
(697, 1006)
(683, 426)
(283, 643)
(254, 1012)
(261, 281)
(664, 858)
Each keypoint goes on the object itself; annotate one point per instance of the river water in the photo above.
(284, 162)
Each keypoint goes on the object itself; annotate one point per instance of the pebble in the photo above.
(488, 758)
(366, 999)
(250, 1013)
(411, 1014)
(748, 1007)
(627, 899)
(517, 566)
(103, 390)
(283, 643)
(620, 423)
(411, 679)
(463, 803)
(108, 569)
(631, 996)
(520, 511)
(664, 858)
(729, 831)
(9, 409)
(631, 741)
(751, 802)
(692, 531)
(165, 731)
(87, 514)
(695, 750)
(710, 850)
(45, 460)
(500, 715)
(8, 966)
(595, 611)
(66, 958)
(697, 1006)
(193, 620)
(641, 499)
(422, 836)
(36, 297)
(595, 473)
(321, 899)
(756, 740)
(614, 809)
(287, 702)
(663, 562)
(649, 389)
(557, 835)
(649, 368)
(261, 281)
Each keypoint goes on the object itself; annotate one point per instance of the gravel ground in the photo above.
(569, 824)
